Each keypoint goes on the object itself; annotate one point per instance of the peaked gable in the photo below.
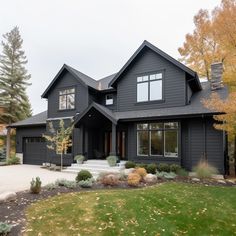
(82, 78)
(192, 74)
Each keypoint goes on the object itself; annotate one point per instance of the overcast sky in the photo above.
(95, 37)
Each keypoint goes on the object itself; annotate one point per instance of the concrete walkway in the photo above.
(17, 177)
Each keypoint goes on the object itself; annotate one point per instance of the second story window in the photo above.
(67, 99)
(109, 99)
(149, 87)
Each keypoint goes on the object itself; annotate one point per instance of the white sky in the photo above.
(95, 37)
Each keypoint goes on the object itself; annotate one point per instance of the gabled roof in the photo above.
(38, 119)
(103, 110)
(84, 79)
(146, 44)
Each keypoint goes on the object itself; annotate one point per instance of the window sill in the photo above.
(149, 102)
(158, 157)
(66, 110)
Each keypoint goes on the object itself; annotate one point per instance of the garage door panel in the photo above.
(34, 150)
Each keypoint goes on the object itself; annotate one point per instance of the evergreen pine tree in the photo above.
(13, 81)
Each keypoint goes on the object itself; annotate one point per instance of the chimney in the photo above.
(216, 76)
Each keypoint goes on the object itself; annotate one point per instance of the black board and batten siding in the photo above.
(174, 83)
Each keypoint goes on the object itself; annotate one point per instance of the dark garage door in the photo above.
(34, 150)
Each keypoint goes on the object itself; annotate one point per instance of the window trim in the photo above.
(149, 81)
(149, 139)
(59, 95)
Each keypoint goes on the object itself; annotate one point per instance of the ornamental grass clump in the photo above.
(141, 171)
(133, 179)
(204, 170)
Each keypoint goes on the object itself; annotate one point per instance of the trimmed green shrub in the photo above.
(5, 228)
(66, 183)
(174, 168)
(112, 160)
(142, 165)
(163, 167)
(35, 185)
(13, 160)
(130, 164)
(88, 183)
(83, 175)
(79, 159)
(151, 168)
(204, 170)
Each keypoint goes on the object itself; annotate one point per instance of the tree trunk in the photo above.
(8, 148)
(235, 155)
(61, 160)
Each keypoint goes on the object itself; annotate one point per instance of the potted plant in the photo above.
(79, 159)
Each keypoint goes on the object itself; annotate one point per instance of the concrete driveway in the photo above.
(17, 177)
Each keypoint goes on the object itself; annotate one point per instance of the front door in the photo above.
(120, 144)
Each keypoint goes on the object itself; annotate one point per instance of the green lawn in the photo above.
(167, 209)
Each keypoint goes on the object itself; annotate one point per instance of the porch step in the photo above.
(95, 167)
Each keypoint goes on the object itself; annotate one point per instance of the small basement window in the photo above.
(109, 99)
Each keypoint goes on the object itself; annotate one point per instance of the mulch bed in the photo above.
(14, 212)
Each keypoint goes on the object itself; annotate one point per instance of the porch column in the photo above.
(80, 139)
(113, 140)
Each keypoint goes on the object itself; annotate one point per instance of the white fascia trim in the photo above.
(61, 118)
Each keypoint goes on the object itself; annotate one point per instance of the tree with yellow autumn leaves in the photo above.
(214, 40)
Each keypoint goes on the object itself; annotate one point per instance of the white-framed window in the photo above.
(149, 87)
(109, 99)
(67, 99)
(157, 139)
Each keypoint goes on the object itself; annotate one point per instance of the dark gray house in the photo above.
(150, 111)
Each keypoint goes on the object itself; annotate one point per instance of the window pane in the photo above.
(159, 76)
(142, 126)
(142, 142)
(109, 99)
(171, 143)
(156, 90)
(70, 101)
(153, 77)
(62, 102)
(139, 79)
(156, 142)
(62, 92)
(156, 126)
(145, 78)
(71, 90)
(142, 92)
(171, 125)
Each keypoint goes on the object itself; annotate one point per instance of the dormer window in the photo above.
(109, 99)
(149, 87)
(67, 99)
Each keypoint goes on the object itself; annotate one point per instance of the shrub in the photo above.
(130, 164)
(204, 170)
(79, 159)
(65, 183)
(88, 183)
(182, 172)
(174, 168)
(151, 168)
(5, 228)
(141, 171)
(13, 160)
(110, 179)
(163, 167)
(112, 160)
(133, 179)
(83, 175)
(35, 185)
(51, 186)
(165, 175)
(142, 165)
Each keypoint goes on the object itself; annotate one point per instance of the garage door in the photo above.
(34, 151)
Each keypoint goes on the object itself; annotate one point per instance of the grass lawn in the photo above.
(166, 209)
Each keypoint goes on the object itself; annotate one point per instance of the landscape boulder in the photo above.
(7, 197)
(150, 178)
